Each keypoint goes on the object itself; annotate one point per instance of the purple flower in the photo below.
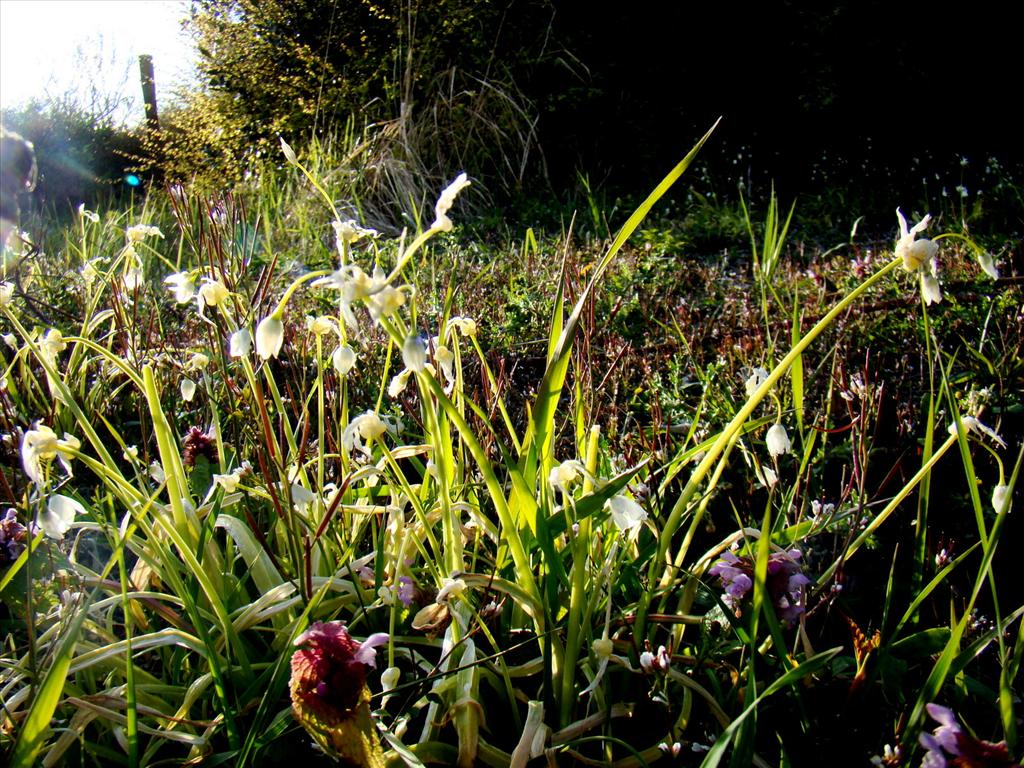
(785, 582)
(950, 745)
(12, 537)
(328, 689)
(406, 590)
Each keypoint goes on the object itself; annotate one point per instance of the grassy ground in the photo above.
(600, 509)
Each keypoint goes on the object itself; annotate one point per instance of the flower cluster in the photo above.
(12, 537)
(785, 582)
(951, 745)
(328, 689)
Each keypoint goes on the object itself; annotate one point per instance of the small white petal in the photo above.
(188, 390)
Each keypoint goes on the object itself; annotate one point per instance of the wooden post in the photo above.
(149, 91)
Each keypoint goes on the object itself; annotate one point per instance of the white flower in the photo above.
(626, 513)
(133, 278)
(229, 482)
(197, 362)
(302, 497)
(211, 292)
(602, 648)
(385, 302)
(389, 678)
(156, 471)
(450, 588)
(269, 336)
(1001, 498)
(42, 444)
(90, 215)
(988, 264)
(10, 340)
(188, 390)
(139, 232)
(6, 293)
(766, 476)
(466, 325)
(289, 153)
(59, 515)
(353, 284)
(919, 256)
(181, 285)
(240, 344)
(398, 383)
(445, 358)
(444, 203)
(343, 359)
(367, 426)
(348, 232)
(565, 474)
(757, 377)
(971, 424)
(930, 288)
(318, 326)
(915, 253)
(414, 354)
(777, 440)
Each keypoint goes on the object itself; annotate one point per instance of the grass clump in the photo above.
(277, 478)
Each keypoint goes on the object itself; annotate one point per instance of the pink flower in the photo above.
(329, 693)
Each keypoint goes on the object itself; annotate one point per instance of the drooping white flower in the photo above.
(289, 153)
(198, 362)
(348, 232)
(919, 256)
(182, 286)
(1000, 498)
(42, 444)
(139, 232)
(269, 336)
(398, 383)
(444, 203)
(367, 426)
(6, 293)
(188, 390)
(450, 588)
(626, 513)
(58, 516)
(321, 325)
(229, 482)
(971, 424)
(565, 474)
(765, 475)
(466, 325)
(51, 345)
(240, 344)
(414, 354)
(757, 377)
(777, 440)
(343, 359)
(389, 678)
(445, 358)
(931, 291)
(988, 264)
(212, 293)
(915, 253)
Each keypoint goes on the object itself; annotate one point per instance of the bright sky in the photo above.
(51, 47)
